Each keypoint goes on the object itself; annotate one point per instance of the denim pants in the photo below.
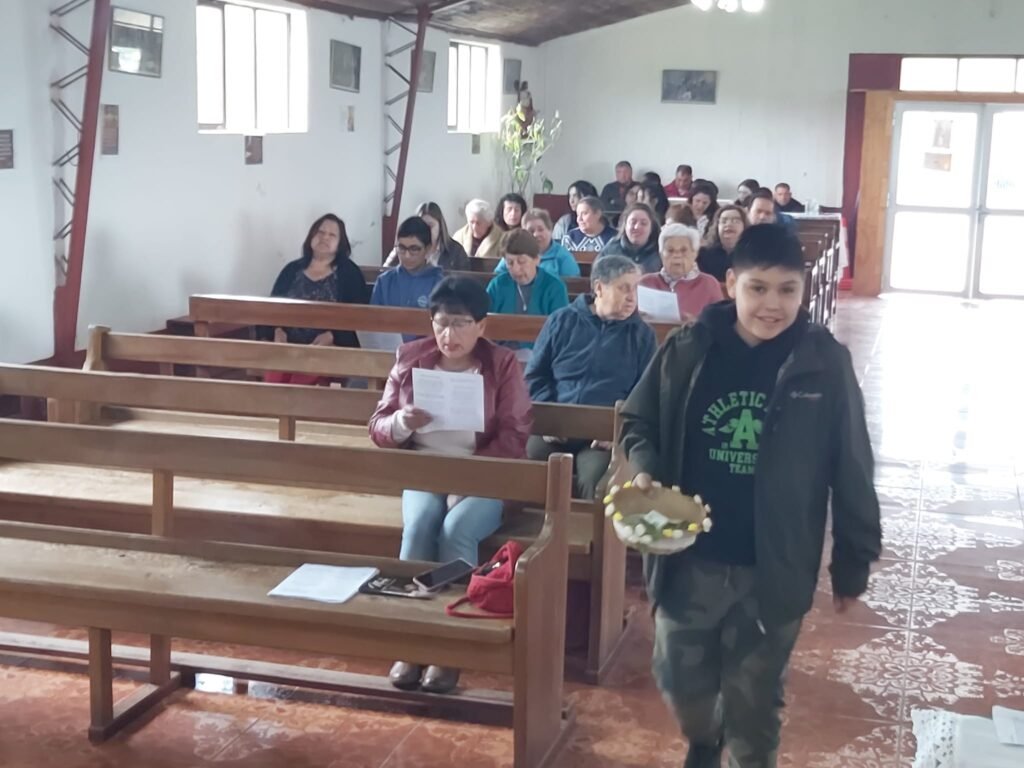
(433, 533)
(718, 666)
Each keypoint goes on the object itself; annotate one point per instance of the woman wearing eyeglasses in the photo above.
(440, 527)
(410, 283)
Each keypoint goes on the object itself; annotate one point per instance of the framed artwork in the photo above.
(346, 64)
(511, 74)
(426, 83)
(136, 43)
(254, 150)
(689, 86)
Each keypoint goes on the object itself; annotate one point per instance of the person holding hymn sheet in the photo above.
(324, 272)
(480, 236)
(591, 353)
(511, 209)
(444, 251)
(715, 257)
(637, 239)
(568, 222)
(593, 232)
(439, 527)
(411, 282)
(704, 204)
(679, 273)
(523, 288)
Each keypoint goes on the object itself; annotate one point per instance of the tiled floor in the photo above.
(942, 625)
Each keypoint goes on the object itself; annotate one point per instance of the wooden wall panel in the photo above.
(874, 192)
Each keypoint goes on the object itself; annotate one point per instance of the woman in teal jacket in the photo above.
(523, 288)
(553, 256)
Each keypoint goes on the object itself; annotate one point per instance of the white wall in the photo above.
(26, 217)
(178, 212)
(781, 104)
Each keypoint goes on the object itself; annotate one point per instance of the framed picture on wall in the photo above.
(346, 64)
(689, 86)
(512, 73)
(426, 83)
(136, 43)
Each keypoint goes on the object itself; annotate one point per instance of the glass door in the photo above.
(1000, 265)
(933, 214)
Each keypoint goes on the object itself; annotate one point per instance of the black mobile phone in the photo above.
(442, 576)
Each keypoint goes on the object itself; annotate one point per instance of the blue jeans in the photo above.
(433, 533)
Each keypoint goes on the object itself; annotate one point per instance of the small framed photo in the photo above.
(346, 64)
(426, 83)
(689, 86)
(136, 43)
(512, 73)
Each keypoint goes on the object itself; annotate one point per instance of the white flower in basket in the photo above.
(660, 521)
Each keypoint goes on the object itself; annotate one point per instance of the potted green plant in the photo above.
(524, 143)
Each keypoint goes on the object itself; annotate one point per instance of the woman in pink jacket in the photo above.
(439, 527)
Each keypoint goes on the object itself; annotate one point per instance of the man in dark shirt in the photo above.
(784, 200)
(614, 193)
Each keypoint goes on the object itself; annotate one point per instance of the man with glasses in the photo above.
(410, 283)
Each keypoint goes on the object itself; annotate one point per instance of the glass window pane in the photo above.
(930, 251)
(478, 90)
(987, 75)
(271, 71)
(921, 74)
(1006, 162)
(453, 87)
(240, 68)
(1020, 76)
(464, 89)
(210, 65)
(1002, 256)
(936, 159)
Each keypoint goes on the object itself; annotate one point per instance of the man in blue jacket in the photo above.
(592, 352)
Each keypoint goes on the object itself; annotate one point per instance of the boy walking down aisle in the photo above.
(759, 412)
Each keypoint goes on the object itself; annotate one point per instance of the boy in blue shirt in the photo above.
(412, 281)
(759, 412)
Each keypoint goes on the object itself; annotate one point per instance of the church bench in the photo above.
(574, 285)
(208, 309)
(171, 587)
(295, 517)
(487, 264)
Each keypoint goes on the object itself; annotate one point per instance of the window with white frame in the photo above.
(251, 68)
(969, 74)
(474, 87)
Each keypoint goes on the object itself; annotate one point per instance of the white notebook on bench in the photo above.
(323, 583)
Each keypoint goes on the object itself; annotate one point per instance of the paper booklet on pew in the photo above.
(323, 583)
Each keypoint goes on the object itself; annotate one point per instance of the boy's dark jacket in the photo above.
(814, 438)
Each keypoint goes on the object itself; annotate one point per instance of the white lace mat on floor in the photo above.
(948, 740)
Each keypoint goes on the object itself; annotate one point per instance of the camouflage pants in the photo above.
(716, 665)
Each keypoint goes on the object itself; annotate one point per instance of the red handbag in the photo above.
(491, 587)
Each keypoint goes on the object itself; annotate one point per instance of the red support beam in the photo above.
(67, 297)
(390, 223)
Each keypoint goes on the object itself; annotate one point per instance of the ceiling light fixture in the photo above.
(730, 6)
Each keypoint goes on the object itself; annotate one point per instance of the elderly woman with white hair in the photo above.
(679, 274)
(480, 236)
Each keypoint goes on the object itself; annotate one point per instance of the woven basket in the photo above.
(660, 521)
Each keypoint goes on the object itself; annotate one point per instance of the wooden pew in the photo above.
(207, 309)
(168, 588)
(574, 285)
(488, 264)
(256, 411)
